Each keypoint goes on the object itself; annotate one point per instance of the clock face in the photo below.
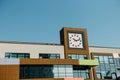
(75, 40)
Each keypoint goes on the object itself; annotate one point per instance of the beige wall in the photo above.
(33, 49)
(114, 51)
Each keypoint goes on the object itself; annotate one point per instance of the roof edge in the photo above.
(36, 43)
(105, 47)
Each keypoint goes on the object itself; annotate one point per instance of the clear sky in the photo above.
(41, 20)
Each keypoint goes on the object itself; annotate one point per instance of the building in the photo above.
(72, 59)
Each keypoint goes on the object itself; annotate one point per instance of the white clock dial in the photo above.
(75, 40)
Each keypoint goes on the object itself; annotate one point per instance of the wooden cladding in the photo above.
(9, 72)
(49, 61)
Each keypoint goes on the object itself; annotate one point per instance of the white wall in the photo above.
(33, 49)
(115, 51)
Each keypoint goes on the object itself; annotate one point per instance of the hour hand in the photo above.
(74, 39)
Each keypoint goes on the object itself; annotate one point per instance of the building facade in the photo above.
(72, 59)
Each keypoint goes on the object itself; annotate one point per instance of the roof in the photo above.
(105, 47)
(36, 43)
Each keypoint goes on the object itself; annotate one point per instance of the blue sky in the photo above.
(41, 20)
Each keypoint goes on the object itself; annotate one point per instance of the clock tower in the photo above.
(75, 41)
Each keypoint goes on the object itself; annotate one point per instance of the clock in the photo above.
(75, 40)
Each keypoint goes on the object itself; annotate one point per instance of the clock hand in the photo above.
(74, 39)
(78, 39)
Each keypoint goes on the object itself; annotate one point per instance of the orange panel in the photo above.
(74, 79)
(9, 72)
(49, 61)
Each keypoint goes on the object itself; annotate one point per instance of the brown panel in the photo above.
(64, 41)
(90, 73)
(49, 61)
(9, 72)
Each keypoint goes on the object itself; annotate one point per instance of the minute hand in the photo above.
(76, 39)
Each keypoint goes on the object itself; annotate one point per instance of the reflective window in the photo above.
(53, 71)
(63, 71)
(107, 67)
(98, 75)
(46, 71)
(113, 75)
(80, 71)
(50, 56)
(77, 56)
(17, 55)
(111, 61)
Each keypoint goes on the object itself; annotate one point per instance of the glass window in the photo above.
(111, 60)
(54, 56)
(75, 74)
(56, 76)
(62, 75)
(69, 75)
(17, 55)
(98, 75)
(114, 76)
(50, 56)
(55, 69)
(106, 59)
(45, 71)
(87, 76)
(13, 55)
(69, 69)
(82, 57)
(24, 72)
(77, 56)
(118, 72)
(80, 71)
(96, 58)
(74, 56)
(101, 58)
(70, 56)
(106, 67)
(61, 69)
